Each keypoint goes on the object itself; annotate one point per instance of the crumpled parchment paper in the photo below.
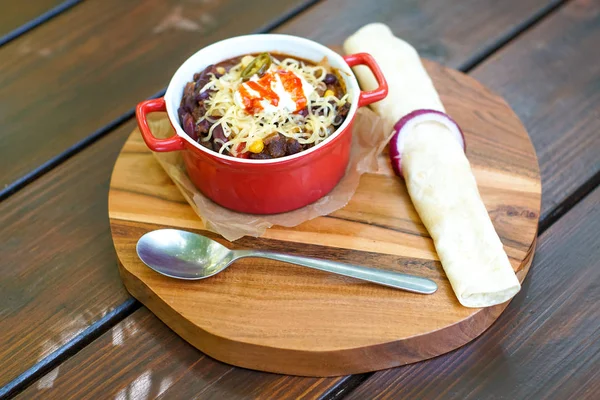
(368, 141)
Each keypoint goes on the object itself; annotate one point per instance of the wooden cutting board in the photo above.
(277, 317)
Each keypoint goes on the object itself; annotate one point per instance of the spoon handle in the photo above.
(392, 279)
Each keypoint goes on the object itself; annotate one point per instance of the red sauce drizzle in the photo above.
(291, 84)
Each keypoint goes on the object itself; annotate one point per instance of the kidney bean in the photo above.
(189, 126)
(218, 133)
(203, 126)
(330, 79)
(204, 95)
(276, 145)
(218, 138)
(181, 111)
(204, 77)
(188, 90)
(303, 112)
(198, 113)
(292, 146)
(187, 101)
(190, 103)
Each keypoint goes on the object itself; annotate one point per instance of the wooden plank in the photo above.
(451, 34)
(16, 13)
(550, 76)
(546, 345)
(87, 67)
(80, 168)
(141, 358)
(59, 273)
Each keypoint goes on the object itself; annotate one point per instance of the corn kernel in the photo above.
(328, 92)
(257, 146)
(221, 70)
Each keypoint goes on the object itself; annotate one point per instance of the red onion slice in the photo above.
(408, 122)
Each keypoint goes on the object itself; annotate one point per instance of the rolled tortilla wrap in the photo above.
(403, 71)
(438, 176)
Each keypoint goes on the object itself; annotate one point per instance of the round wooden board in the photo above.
(277, 317)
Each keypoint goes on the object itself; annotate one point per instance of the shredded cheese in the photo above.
(242, 129)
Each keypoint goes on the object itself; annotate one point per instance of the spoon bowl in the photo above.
(186, 255)
(183, 255)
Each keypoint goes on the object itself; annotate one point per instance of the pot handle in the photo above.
(370, 96)
(142, 110)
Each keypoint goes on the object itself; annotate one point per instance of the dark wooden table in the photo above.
(71, 73)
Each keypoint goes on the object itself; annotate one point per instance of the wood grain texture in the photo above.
(551, 76)
(58, 273)
(275, 317)
(94, 248)
(140, 358)
(546, 345)
(89, 66)
(452, 35)
(16, 13)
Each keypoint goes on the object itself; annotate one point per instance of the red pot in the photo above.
(263, 186)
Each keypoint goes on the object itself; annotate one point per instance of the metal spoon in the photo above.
(187, 255)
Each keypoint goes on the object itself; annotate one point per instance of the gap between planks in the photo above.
(37, 21)
(571, 201)
(65, 352)
(511, 35)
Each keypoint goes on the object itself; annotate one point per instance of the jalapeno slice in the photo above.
(259, 66)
